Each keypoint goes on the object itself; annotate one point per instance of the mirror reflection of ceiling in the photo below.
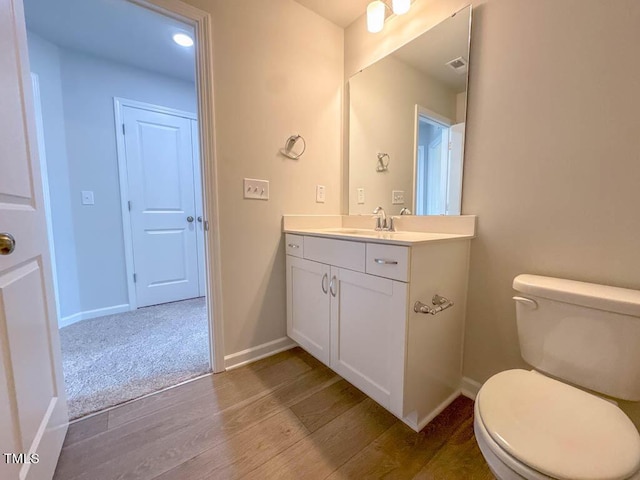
(116, 30)
(341, 12)
(430, 53)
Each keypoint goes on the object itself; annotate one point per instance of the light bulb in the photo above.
(401, 6)
(183, 40)
(375, 16)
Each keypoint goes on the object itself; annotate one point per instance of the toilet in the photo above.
(560, 420)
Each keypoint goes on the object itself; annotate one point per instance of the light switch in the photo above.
(320, 193)
(256, 189)
(397, 197)
(361, 196)
(87, 197)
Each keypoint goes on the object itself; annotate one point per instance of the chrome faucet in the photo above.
(382, 222)
(405, 211)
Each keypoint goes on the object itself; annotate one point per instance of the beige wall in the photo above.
(552, 164)
(382, 101)
(278, 71)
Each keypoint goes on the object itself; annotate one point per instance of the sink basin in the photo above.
(349, 231)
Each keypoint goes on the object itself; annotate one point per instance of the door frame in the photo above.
(118, 105)
(203, 28)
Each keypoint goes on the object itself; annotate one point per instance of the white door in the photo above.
(368, 322)
(159, 155)
(33, 409)
(456, 156)
(308, 306)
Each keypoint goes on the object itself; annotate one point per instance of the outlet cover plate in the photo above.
(320, 194)
(361, 196)
(397, 197)
(255, 189)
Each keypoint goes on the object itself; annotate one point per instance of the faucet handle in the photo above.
(379, 225)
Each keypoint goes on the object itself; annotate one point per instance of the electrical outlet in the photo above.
(256, 189)
(361, 196)
(397, 197)
(320, 193)
(87, 197)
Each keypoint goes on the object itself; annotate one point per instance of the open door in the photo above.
(33, 408)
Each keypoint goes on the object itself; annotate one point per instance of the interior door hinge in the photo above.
(129, 204)
(135, 278)
(123, 128)
(206, 225)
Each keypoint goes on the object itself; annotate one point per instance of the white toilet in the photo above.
(532, 425)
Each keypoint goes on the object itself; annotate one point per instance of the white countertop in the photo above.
(364, 235)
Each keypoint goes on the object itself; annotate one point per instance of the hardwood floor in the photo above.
(284, 417)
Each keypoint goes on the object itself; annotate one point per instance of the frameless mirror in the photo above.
(407, 125)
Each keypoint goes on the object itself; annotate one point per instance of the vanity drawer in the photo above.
(294, 245)
(339, 253)
(388, 261)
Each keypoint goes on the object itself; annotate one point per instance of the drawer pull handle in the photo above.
(293, 245)
(325, 278)
(332, 285)
(382, 261)
(439, 304)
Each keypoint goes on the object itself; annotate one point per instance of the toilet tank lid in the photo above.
(591, 295)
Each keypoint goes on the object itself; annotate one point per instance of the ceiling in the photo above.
(340, 12)
(114, 29)
(431, 51)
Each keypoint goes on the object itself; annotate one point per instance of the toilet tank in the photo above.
(583, 333)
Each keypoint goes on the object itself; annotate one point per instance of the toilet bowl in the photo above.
(533, 425)
(529, 426)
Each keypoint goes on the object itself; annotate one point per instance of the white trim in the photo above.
(433, 414)
(469, 388)
(203, 26)
(252, 354)
(89, 314)
(37, 104)
(119, 104)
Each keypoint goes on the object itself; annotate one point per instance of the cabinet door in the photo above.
(308, 302)
(368, 323)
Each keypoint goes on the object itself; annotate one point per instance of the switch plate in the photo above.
(320, 193)
(87, 197)
(361, 196)
(256, 189)
(397, 197)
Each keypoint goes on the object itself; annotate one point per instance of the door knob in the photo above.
(200, 219)
(7, 243)
(189, 219)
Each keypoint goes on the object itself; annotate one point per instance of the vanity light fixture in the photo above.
(376, 12)
(183, 40)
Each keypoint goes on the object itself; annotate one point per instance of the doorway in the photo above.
(438, 163)
(126, 209)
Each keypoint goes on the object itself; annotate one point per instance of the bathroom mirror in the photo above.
(407, 117)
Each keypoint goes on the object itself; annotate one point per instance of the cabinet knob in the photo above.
(325, 279)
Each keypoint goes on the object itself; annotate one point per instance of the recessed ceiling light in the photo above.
(183, 40)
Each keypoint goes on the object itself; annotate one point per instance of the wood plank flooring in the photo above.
(284, 417)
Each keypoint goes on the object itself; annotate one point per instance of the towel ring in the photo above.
(288, 152)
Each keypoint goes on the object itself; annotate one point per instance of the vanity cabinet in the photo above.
(350, 304)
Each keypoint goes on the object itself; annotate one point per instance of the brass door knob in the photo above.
(7, 243)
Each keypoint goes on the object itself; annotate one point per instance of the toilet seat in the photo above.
(556, 430)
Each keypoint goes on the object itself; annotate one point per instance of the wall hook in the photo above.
(288, 152)
(383, 165)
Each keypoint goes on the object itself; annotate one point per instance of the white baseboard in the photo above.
(470, 388)
(256, 353)
(89, 314)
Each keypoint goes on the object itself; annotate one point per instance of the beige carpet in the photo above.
(116, 358)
